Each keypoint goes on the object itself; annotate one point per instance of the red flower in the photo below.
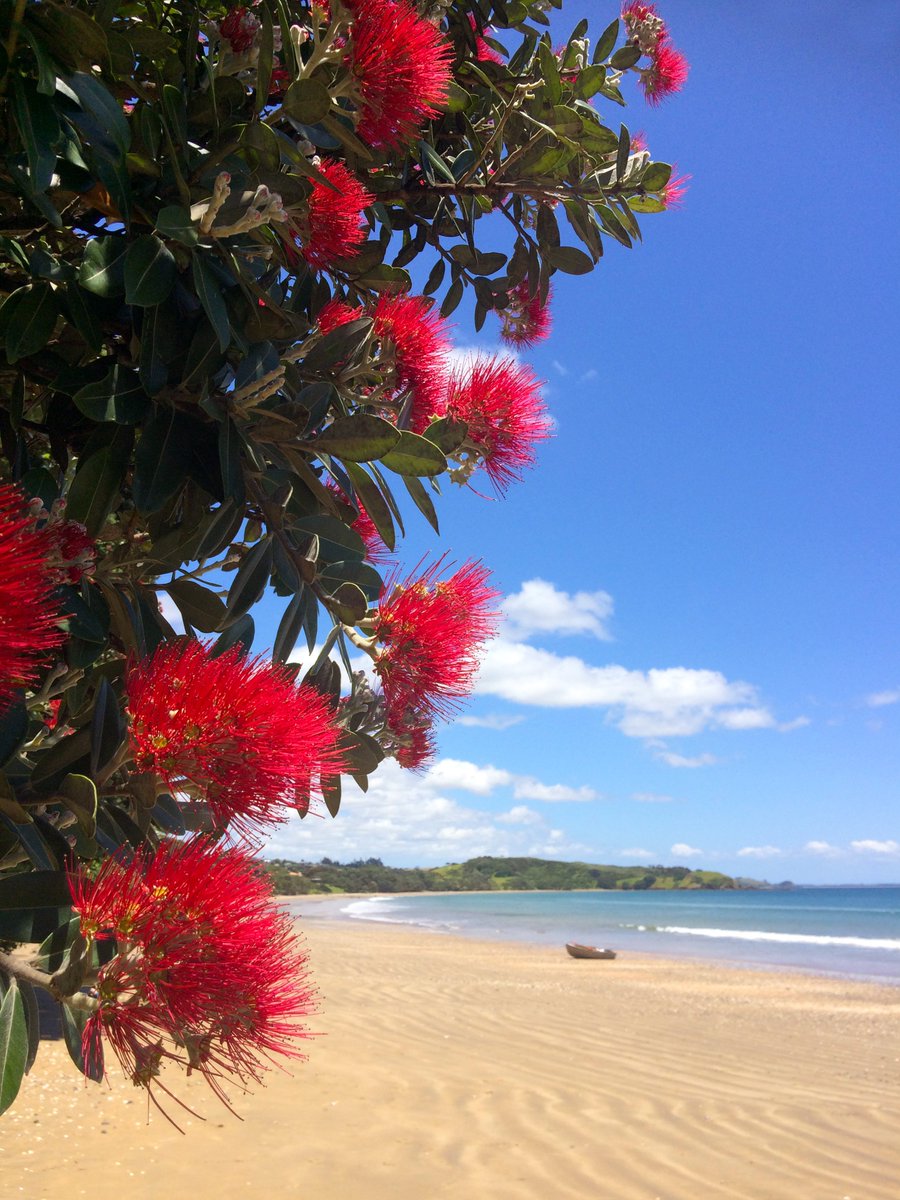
(205, 970)
(483, 52)
(232, 731)
(415, 747)
(402, 68)
(672, 195)
(75, 547)
(526, 319)
(667, 74)
(333, 226)
(431, 631)
(417, 337)
(500, 401)
(29, 608)
(239, 29)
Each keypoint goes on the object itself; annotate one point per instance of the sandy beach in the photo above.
(453, 1068)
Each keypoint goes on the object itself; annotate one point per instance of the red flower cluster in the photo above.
(668, 69)
(75, 549)
(29, 609)
(206, 972)
(526, 319)
(239, 29)
(431, 632)
(500, 401)
(235, 732)
(673, 193)
(418, 336)
(333, 227)
(402, 68)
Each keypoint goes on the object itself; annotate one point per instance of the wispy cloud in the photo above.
(882, 699)
(638, 853)
(494, 721)
(823, 849)
(760, 852)
(683, 850)
(692, 762)
(540, 607)
(872, 846)
(651, 798)
(456, 774)
(796, 723)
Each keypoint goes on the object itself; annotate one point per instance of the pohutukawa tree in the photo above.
(224, 372)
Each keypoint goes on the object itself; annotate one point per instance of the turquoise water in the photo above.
(851, 932)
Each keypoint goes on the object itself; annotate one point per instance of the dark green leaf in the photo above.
(422, 500)
(308, 101)
(331, 793)
(625, 57)
(569, 259)
(290, 626)
(117, 397)
(13, 1044)
(209, 291)
(79, 794)
(39, 129)
(32, 1022)
(606, 42)
(360, 438)
(105, 109)
(656, 176)
(250, 579)
(103, 266)
(167, 813)
(71, 754)
(161, 460)
(149, 271)
(452, 298)
(198, 605)
(415, 455)
(337, 541)
(107, 727)
(32, 321)
(448, 435)
(13, 730)
(96, 487)
(82, 315)
(175, 222)
(374, 503)
(73, 1023)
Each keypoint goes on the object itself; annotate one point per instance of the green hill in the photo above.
(485, 874)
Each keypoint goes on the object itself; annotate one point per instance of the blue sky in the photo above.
(701, 661)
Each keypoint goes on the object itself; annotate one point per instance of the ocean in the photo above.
(850, 932)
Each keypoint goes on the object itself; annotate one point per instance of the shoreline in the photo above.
(450, 1066)
(695, 951)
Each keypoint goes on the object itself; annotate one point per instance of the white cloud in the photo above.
(797, 723)
(459, 775)
(495, 721)
(870, 846)
(520, 814)
(759, 852)
(669, 702)
(550, 793)
(651, 798)
(882, 699)
(824, 849)
(683, 850)
(558, 366)
(404, 817)
(683, 760)
(589, 374)
(455, 774)
(638, 852)
(540, 607)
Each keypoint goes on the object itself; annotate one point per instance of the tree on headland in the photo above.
(231, 239)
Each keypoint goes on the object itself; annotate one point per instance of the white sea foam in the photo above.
(804, 939)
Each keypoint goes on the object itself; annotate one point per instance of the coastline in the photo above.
(450, 1066)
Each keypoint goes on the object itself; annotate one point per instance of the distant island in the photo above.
(488, 874)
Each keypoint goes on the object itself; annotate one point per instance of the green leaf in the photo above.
(625, 57)
(422, 501)
(117, 397)
(307, 101)
(331, 793)
(340, 345)
(82, 316)
(31, 321)
(250, 579)
(96, 488)
(33, 904)
(360, 438)
(79, 794)
(415, 455)
(46, 68)
(102, 268)
(209, 291)
(448, 435)
(13, 730)
(452, 298)
(107, 727)
(656, 176)
(569, 259)
(175, 222)
(383, 278)
(198, 605)
(161, 459)
(72, 754)
(149, 271)
(337, 541)
(290, 626)
(13, 1044)
(105, 109)
(606, 42)
(73, 1023)
(646, 204)
(374, 503)
(39, 129)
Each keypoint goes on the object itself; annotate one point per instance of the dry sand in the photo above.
(454, 1068)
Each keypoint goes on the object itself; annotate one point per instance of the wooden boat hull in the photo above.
(579, 951)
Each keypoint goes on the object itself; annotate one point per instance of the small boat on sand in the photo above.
(579, 951)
